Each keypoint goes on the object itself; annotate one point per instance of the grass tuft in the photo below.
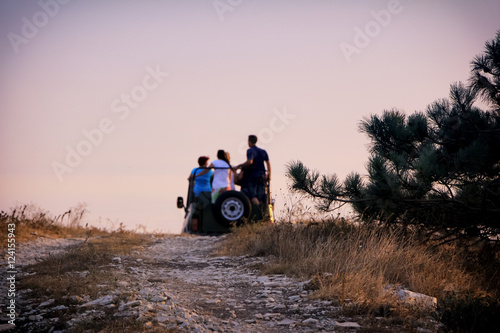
(32, 222)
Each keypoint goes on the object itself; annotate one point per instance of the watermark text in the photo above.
(224, 6)
(31, 27)
(122, 107)
(372, 29)
(11, 273)
(277, 124)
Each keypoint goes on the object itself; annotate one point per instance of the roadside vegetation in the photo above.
(32, 222)
(80, 270)
(357, 265)
(438, 169)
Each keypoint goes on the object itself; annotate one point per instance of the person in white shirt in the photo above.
(223, 175)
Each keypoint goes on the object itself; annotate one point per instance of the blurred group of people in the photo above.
(219, 176)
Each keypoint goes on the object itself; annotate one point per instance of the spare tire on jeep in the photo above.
(231, 206)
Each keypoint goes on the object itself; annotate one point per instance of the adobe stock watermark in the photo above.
(31, 27)
(224, 6)
(122, 107)
(277, 124)
(11, 271)
(372, 29)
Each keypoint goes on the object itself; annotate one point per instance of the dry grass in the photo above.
(84, 271)
(32, 222)
(81, 270)
(354, 262)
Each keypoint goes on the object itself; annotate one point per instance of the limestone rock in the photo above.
(99, 302)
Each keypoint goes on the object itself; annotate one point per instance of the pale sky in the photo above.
(111, 102)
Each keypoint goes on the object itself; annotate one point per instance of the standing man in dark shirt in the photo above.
(254, 172)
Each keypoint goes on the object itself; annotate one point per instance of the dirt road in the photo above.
(178, 285)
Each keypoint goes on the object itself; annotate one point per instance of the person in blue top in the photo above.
(255, 176)
(201, 183)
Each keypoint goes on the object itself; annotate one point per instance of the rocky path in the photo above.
(228, 294)
(176, 284)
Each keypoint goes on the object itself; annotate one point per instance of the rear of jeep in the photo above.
(231, 208)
